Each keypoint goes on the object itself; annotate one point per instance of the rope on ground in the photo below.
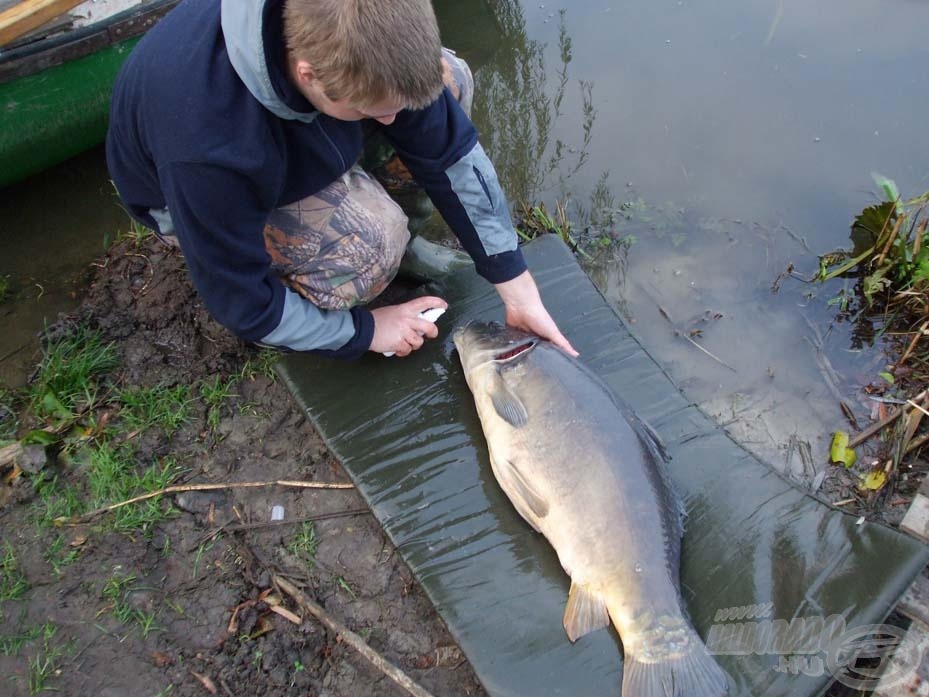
(77, 520)
(400, 678)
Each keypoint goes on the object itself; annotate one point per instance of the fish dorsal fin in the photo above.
(585, 613)
(531, 505)
(507, 404)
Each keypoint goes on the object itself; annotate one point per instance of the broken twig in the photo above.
(683, 335)
(883, 423)
(400, 678)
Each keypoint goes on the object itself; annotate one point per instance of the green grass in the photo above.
(261, 364)
(56, 500)
(198, 556)
(44, 665)
(9, 419)
(113, 475)
(536, 220)
(305, 545)
(216, 394)
(343, 584)
(68, 374)
(59, 556)
(136, 234)
(167, 408)
(116, 592)
(13, 583)
(11, 645)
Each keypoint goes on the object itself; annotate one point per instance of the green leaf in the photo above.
(840, 452)
(891, 192)
(39, 437)
(887, 376)
(875, 283)
(867, 226)
(52, 406)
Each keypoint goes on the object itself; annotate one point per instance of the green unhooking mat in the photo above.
(407, 432)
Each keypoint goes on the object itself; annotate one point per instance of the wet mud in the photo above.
(191, 612)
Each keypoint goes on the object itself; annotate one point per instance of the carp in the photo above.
(585, 472)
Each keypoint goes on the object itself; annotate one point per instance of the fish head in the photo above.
(490, 344)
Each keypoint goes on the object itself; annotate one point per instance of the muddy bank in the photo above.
(153, 610)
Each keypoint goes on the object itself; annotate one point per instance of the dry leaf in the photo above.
(161, 659)
(206, 682)
(286, 614)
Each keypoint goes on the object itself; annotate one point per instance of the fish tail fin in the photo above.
(694, 674)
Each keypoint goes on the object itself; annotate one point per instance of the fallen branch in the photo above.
(883, 423)
(77, 520)
(400, 678)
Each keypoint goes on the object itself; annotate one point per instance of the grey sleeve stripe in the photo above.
(474, 181)
(305, 327)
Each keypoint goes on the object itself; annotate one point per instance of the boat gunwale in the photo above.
(34, 57)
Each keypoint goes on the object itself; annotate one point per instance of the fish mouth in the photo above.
(482, 343)
(515, 351)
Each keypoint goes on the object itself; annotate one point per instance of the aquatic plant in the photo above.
(891, 250)
(890, 259)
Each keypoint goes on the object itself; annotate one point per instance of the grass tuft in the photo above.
(262, 363)
(165, 407)
(12, 644)
(13, 583)
(216, 393)
(304, 545)
(113, 475)
(9, 419)
(67, 380)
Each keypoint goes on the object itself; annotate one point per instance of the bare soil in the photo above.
(190, 580)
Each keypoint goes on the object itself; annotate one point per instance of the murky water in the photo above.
(51, 227)
(722, 140)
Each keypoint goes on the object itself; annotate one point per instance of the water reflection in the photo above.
(520, 95)
(742, 137)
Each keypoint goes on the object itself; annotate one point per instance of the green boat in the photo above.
(56, 82)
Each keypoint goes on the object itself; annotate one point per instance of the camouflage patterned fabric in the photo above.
(342, 246)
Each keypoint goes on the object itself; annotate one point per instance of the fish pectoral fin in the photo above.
(507, 404)
(585, 613)
(531, 505)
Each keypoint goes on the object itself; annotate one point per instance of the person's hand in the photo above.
(399, 328)
(524, 310)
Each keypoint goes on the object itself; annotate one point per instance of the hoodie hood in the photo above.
(243, 23)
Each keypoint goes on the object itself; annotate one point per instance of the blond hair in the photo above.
(368, 51)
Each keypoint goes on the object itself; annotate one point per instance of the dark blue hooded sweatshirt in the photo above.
(208, 136)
